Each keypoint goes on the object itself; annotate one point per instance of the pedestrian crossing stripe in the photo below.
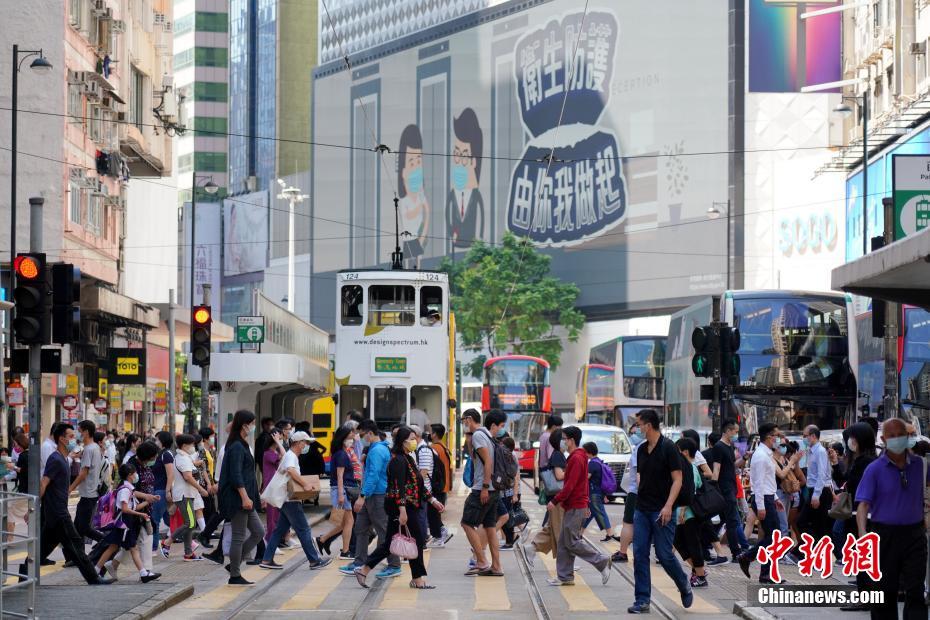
(221, 596)
(579, 597)
(399, 594)
(318, 586)
(491, 594)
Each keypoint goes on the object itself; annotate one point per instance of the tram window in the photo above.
(352, 305)
(353, 398)
(391, 305)
(430, 306)
(390, 406)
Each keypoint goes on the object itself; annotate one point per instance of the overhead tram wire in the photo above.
(525, 241)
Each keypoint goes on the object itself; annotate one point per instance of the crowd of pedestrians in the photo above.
(138, 496)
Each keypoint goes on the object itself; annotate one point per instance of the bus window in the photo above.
(644, 368)
(428, 399)
(390, 406)
(353, 397)
(430, 306)
(391, 305)
(352, 305)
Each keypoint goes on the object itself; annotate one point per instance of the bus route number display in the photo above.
(516, 399)
(391, 364)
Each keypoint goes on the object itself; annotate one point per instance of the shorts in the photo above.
(503, 506)
(198, 502)
(629, 507)
(475, 514)
(18, 509)
(125, 538)
(351, 494)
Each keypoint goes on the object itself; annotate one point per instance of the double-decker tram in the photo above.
(518, 385)
(395, 341)
(623, 376)
(798, 362)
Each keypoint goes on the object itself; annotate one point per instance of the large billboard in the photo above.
(245, 233)
(602, 136)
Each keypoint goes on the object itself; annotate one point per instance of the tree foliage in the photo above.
(505, 301)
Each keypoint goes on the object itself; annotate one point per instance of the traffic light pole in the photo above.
(715, 322)
(204, 373)
(35, 385)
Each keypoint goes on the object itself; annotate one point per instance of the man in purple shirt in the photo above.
(891, 495)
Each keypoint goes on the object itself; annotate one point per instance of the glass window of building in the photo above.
(391, 305)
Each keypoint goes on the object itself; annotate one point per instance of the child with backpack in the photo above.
(121, 520)
(601, 482)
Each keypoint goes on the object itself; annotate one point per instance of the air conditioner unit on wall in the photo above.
(100, 7)
(160, 18)
(118, 26)
(919, 48)
(92, 90)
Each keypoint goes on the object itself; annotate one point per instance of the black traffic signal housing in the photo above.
(66, 298)
(201, 326)
(30, 296)
(729, 358)
(706, 360)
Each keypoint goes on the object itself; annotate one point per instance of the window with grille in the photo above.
(74, 199)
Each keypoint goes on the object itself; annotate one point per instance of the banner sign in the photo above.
(911, 192)
(134, 393)
(72, 388)
(127, 366)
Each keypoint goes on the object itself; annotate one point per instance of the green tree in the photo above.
(505, 301)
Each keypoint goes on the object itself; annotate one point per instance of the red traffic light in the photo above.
(202, 315)
(27, 267)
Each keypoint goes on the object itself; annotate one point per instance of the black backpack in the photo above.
(505, 467)
(439, 477)
(686, 495)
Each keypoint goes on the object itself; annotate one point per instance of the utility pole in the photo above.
(171, 369)
(204, 373)
(717, 416)
(35, 382)
(892, 313)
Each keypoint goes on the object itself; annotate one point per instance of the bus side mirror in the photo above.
(451, 403)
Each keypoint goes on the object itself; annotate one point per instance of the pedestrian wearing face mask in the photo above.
(343, 490)
(271, 459)
(164, 481)
(207, 455)
(123, 532)
(890, 497)
(187, 494)
(629, 502)
(238, 495)
(291, 514)
(818, 493)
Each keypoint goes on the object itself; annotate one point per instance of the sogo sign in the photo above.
(815, 232)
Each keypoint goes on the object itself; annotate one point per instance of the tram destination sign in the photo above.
(250, 329)
(391, 364)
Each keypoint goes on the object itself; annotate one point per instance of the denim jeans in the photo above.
(598, 512)
(647, 532)
(159, 514)
(291, 515)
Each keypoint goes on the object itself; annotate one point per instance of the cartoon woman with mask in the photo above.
(413, 204)
(465, 207)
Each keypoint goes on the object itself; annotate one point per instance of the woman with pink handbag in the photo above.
(406, 493)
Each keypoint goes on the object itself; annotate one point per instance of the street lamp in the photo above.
(39, 65)
(292, 195)
(714, 213)
(210, 187)
(845, 111)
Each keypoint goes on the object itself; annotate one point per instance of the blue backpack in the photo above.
(608, 480)
(468, 474)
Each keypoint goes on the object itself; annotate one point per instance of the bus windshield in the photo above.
(792, 341)
(644, 368)
(525, 428)
(516, 384)
(915, 369)
(600, 388)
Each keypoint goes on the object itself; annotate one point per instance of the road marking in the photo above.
(312, 594)
(399, 594)
(221, 596)
(664, 584)
(579, 597)
(491, 594)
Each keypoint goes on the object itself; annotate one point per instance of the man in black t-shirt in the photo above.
(57, 526)
(724, 468)
(658, 466)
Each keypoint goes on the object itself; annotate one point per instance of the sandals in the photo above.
(360, 578)
(490, 573)
(425, 586)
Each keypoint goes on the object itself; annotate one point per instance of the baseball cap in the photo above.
(300, 436)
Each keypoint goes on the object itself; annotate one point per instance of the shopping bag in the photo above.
(336, 515)
(275, 493)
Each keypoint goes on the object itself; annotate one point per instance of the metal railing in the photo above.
(11, 506)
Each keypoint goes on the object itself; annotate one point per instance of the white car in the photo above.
(613, 447)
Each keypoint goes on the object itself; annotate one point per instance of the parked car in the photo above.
(613, 447)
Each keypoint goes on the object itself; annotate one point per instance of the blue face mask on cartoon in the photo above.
(415, 180)
(459, 177)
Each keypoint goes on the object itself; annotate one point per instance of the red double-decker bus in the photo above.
(518, 385)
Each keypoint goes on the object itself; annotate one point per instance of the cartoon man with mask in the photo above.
(414, 206)
(465, 207)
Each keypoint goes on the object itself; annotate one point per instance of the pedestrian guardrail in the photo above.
(22, 574)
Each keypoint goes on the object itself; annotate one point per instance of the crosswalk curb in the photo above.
(159, 603)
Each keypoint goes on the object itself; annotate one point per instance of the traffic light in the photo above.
(200, 335)
(729, 358)
(706, 360)
(30, 322)
(66, 309)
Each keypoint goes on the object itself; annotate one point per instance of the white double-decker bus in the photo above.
(394, 346)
